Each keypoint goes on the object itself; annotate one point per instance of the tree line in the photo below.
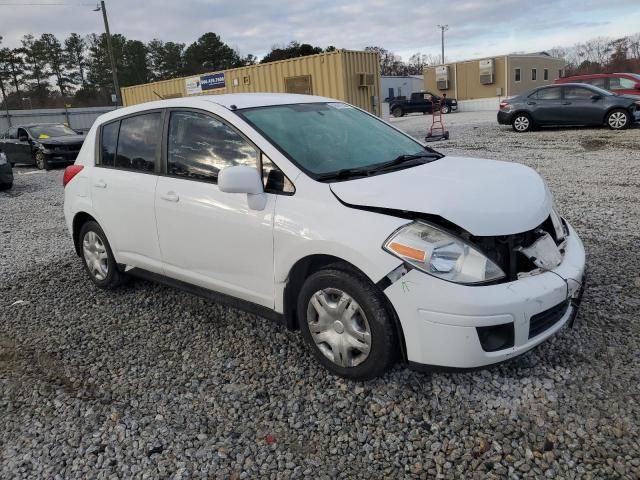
(46, 72)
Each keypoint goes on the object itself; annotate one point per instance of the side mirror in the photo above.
(243, 179)
(596, 96)
(23, 138)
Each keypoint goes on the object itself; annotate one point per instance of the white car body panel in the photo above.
(485, 197)
(214, 240)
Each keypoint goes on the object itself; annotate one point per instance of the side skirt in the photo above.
(221, 298)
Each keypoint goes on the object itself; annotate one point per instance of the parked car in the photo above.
(620, 83)
(6, 172)
(314, 212)
(42, 145)
(569, 104)
(421, 102)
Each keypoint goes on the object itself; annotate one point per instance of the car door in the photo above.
(210, 238)
(545, 106)
(123, 185)
(8, 143)
(22, 147)
(580, 108)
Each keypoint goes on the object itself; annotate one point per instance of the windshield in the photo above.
(322, 138)
(48, 131)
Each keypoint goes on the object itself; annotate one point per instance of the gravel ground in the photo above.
(150, 382)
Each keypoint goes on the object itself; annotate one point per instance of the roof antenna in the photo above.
(233, 107)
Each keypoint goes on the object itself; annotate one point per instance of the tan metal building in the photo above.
(501, 76)
(350, 76)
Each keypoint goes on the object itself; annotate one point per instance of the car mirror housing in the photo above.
(243, 179)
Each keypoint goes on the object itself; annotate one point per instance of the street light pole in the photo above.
(443, 28)
(112, 59)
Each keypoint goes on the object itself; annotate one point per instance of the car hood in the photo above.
(484, 197)
(66, 140)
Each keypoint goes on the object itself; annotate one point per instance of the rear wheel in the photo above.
(343, 319)
(521, 123)
(618, 119)
(397, 112)
(41, 161)
(98, 257)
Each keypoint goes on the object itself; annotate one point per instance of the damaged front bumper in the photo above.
(451, 325)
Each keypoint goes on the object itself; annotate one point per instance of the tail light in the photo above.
(504, 104)
(70, 172)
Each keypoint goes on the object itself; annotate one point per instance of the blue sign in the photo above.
(211, 81)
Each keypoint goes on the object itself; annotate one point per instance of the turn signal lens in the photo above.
(408, 252)
(70, 172)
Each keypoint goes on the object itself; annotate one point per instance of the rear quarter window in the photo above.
(108, 144)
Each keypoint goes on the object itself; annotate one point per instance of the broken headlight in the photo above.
(558, 225)
(438, 253)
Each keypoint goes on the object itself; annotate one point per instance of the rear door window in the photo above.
(139, 142)
(552, 93)
(596, 82)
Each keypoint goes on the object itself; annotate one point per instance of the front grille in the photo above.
(545, 320)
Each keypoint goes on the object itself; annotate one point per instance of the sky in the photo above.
(476, 27)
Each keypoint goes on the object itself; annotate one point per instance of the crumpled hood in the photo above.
(484, 197)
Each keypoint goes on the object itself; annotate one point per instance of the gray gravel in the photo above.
(149, 382)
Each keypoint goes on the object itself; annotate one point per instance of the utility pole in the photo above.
(112, 59)
(443, 28)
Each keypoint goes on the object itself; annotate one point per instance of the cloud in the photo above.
(477, 27)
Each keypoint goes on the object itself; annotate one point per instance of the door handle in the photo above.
(566, 103)
(170, 197)
(531, 103)
(100, 184)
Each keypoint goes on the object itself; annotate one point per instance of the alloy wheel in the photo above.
(521, 123)
(445, 109)
(339, 327)
(95, 255)
(617, 120)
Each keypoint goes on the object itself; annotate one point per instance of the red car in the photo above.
(621, 83)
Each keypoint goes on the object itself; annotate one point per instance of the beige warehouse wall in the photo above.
(469, 86)
(526, 64)
(333, 74)
(430, 81)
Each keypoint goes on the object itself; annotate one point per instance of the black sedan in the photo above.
(569, 104)
(6, 172)
(42, 145)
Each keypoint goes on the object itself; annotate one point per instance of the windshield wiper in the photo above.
(400, 159)
(366, 171)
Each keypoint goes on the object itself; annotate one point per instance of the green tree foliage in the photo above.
(209, 54)
(293, 50)
(76, 59)
(166, 60)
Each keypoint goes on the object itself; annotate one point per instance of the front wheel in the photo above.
(41, 161)
(618, 119)
(521, 123)
(445, 109)
(344, 321)
(99, 261)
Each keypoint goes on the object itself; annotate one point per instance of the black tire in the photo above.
(41, 161)
(114, 277)
(522, 122)
(618, 119)
(397, 112)
(445, 109)
(383, 342)
(5, 186)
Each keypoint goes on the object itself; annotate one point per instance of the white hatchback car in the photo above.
(319, 214)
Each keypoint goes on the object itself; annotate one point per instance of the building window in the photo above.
(546, 74)
(517, 74)
(534, 74)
